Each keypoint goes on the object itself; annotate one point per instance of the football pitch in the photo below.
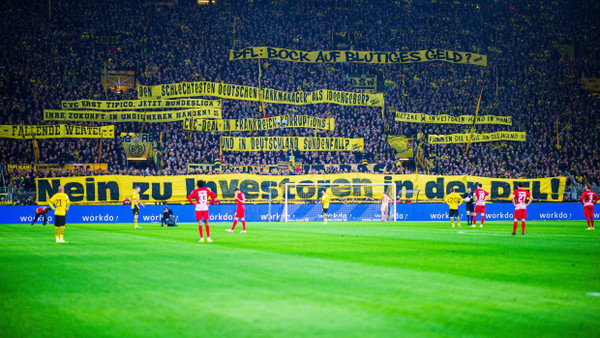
(343, 279)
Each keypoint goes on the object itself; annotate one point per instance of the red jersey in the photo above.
(42, 210)
(589, 198)
(521, 198)
(480, 195)
(240, 200)
(200, 195)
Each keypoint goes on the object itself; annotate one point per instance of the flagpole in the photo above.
(474, 123)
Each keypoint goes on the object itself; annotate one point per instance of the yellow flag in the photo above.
(36, 149)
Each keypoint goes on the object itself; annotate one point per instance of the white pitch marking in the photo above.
(477, 233)
(593, 294)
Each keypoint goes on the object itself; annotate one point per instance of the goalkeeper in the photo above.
(469, 205)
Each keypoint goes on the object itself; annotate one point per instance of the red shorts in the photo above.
(480, 209)
(202, 215)
(520, 213)
(588, 210)
(240, 213)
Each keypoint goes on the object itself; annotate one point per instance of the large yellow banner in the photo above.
(175, 189)
(275, 122)
(247, 93)
(139, 104)
(275, 143)
(131, 116)
(55, 131)
(332, 56)
(448, 119)
(518, 136)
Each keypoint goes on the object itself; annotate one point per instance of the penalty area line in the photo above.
(477, 233)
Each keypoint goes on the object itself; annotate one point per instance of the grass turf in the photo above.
(301, 279)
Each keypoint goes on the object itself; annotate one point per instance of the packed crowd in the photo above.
(48, 60)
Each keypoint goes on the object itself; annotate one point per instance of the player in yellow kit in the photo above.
(135, 206)
(453, 200)
(325, 201)
(60, 204)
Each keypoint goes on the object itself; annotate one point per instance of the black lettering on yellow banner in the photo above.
(247, 93)
(175, 189)
(332, 56)
(276, 122)
(139, 104)
(517, 136)
(448, 119)
(55, 131)
(131, 116)
(276, 143)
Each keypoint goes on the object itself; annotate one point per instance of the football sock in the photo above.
(325, 217)
(57, 233)
(523, 226)
(200, 230)
(62, 232)
(515, 225)
(592, 220)
(587, 219)
(234, 224)
(475, 219)
(482, 218)
(468, 220)
(135, 222)
(458, 220)
(207, 230)
(452, 221)
(244, 224)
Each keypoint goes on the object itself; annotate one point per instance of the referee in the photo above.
(469, 205)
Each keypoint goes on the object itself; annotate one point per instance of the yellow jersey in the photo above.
(325, 200)
(453, 200)
(60, 203)
(135, 199)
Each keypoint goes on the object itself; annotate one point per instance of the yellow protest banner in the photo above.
(175, 189)
(275, 122)
(333, 56)
(131, 116)
(276, 143)
(448, 119)
(57, 166)
(518, 136)
(247, 93)
(591, 83)
(139, 104)
(55, 131)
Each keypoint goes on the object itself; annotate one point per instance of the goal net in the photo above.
(349, 202)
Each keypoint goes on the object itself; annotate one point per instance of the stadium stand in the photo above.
(53, 55)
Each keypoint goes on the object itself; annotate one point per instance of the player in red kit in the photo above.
(240, 211)
(521, 198)
(199, 198)
(41, 212)
(480, 197)
(588, 199)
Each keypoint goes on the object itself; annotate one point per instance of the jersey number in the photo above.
(521, 197)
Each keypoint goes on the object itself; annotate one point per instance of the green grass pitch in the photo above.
(344, 279)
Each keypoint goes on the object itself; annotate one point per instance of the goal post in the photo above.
(349, 201)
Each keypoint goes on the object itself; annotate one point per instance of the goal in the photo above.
(349, 201)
